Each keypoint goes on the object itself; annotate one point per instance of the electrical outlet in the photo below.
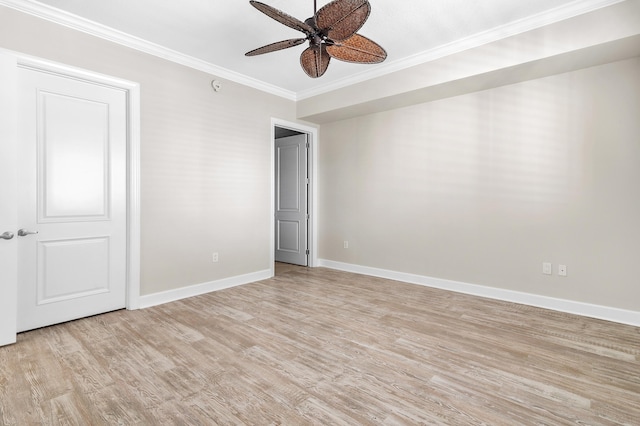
(562, 270)
(214, 257)
(546, 268)
(345, 244)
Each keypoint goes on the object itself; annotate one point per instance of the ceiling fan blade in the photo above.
(315, 60)
(357, 49)
(340, 19)
(279, 45)
(282, 17)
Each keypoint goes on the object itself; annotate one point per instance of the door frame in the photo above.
(132, 91)
(312, 137)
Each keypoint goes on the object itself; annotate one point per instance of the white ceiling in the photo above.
(219, 32)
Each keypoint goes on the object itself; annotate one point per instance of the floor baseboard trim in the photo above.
(562, 305)
(160, 298)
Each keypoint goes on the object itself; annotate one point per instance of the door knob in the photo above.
(7, 235)
(23, 232)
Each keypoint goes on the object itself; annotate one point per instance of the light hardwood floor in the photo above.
(316, 346)
(284, 268)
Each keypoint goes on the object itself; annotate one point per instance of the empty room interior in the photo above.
(404, 213)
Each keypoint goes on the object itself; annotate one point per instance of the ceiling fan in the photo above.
(331, 33)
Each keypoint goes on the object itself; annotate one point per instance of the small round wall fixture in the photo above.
(216, 85)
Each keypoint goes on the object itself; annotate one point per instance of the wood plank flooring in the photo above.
(316, 346)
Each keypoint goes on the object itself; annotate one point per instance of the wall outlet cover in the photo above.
(562, 270)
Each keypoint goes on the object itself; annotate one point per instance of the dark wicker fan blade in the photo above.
(279, 45)
(340, 19)
(357, 49)
(282, 17)
(315, 60)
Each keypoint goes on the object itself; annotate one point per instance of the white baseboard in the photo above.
(198, 289)
(569, 306)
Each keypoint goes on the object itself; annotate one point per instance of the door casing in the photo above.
(312, 137)
(11, 60)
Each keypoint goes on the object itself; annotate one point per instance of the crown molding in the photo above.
(568, 11)
(571, 10)
(69, 20)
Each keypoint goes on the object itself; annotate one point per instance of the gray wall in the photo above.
(482, 188)
(205, 156)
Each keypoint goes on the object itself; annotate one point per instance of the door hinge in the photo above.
(308, 181)
(307, 252)
(307, 145)
(308, 216)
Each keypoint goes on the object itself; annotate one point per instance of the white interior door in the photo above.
(71, 203)
(8, 211)
(291, 198)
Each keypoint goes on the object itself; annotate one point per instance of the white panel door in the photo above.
(291, 233)
(72, 139)
(8, 211)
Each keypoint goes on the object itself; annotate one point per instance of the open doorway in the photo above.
(293, 195)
